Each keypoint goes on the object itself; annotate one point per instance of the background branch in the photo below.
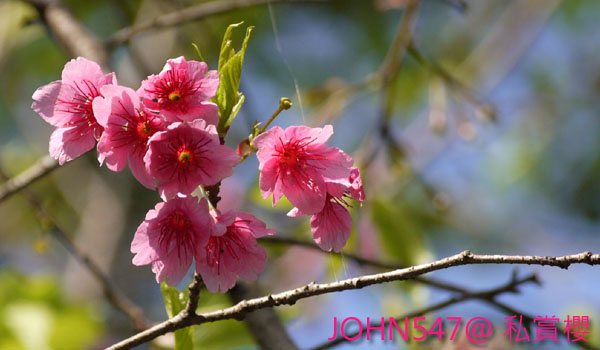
(290, 297)
(42, 167)
(114, 296)
(486, 295)
(70, 32)
(193, 13)
(264, 324)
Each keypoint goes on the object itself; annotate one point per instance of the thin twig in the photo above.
(193, 13)
(111, 292)
(528, 319)
(402, 39)
(486, 295)
(312, 289)
(450, 80)
(42, 167)
(432, 282)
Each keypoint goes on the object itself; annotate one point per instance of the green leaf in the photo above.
(228, 98)
(175, 301)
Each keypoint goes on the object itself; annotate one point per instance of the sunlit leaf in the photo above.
(175, 301)
(228, 98)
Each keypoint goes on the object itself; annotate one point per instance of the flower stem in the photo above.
(284, 103)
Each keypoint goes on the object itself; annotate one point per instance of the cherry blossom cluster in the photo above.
(166, 131)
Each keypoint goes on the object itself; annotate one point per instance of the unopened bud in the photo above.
(244, 149)
(285, 103)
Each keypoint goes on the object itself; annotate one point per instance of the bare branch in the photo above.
(363, 261)
(290, 297)
(402, 39)
(193, 13)
(264, 325)
(486, 295)
(42, 167)
(112, 294)
(486, 108)
(70, 33)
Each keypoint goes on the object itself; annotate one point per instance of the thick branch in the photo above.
(264, 325)
(193, 13)
(70, 33)
(290, 297)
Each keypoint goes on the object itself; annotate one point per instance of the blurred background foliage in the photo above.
(486, 139)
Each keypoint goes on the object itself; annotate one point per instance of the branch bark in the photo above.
(312, 289)
(42, 167)
(486, 295)
(264, 325)
(70, 32)
(193, 13)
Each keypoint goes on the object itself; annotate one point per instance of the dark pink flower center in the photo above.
(295, 159)
(80, 106)
(184, 157)
(176, 230)
(143, 129)
(135, 129)
(175, 96)
(172, 90)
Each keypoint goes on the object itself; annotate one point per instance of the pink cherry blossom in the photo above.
(67, 105)
(170, 235)
(331, 227)
(232, 251)
(187, 155)
(296, 163)
(127, 127)
(181, 91)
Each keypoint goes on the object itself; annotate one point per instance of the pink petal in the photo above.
(203, 110)
(138, 169)
(294, 213)
(79, 69)
(216, 281)
(210, 84)
(175, 268)
(44, 103)
(265, 143)
(356, 189)
(335, 165)
(268, 178)
(305, 189)
(317, 136)
(331, 227)
(250, 223)
(116, 158)
(67, 144)
(145, 252)
(196, 70)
